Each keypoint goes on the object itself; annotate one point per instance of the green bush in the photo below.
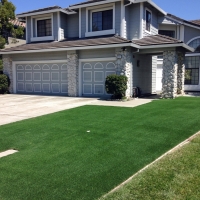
(4, 84)
(116, 85)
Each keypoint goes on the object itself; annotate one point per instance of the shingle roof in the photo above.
(16, 22)
(197, 21)
(70, 43)
(40, 10)
(86, 2)
(183, 20)
(156, 40)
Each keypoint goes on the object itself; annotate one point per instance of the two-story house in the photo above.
(70, 51)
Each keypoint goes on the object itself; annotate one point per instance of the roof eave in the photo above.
(45, 12)
(150, 2)
(92, 4)
(71, 48)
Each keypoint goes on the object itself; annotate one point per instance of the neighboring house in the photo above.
(70, 51)
(12, 41)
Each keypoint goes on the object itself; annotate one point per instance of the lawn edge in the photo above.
(188, 140)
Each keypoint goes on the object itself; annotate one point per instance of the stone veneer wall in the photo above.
(72, 69)
(181, 73)
(7, 69)
(169, 80)
(124, 67)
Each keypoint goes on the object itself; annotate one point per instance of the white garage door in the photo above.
(46, 79)
(94, 75)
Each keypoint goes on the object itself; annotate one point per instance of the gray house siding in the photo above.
(97, 53)
(55, 26)
(190, 33)
(73, 26)
(117, 17)
(63, 24)
(28, 29)
(133, 21)
(83, 22)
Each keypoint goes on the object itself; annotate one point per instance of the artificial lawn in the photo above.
(59, 159)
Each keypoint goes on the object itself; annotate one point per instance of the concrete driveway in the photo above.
(18, 107)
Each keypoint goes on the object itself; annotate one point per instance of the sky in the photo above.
(186, 9)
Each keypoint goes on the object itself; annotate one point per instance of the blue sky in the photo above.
(186, 9)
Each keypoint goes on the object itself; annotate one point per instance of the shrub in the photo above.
(116, 85)
(4, 84)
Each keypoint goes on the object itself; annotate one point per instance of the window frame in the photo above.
(89, 12)
(168, 31)
(147, 10)
(34, 36)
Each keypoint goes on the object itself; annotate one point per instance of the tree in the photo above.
(7, 13)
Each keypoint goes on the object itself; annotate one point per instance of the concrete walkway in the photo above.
(15, 107)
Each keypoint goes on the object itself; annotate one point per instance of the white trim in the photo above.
(58, 74)
(89, 85)
(43, 76)
(18, 76)
(31, 76)
(43, 87)
(182, 32)
(26, 87)
(18, 87)
(87, 64)
(80, 21)
(74, 48)
(194, 54)
(193, 39)
(90, 76)
(146, 9)
(89, 31)
(97, 64)
(141, 19)
(45, 12)
(59, 26)
(96, 33)
(58, 88)
(93, 4)
(122, 19)
(65, 84)
(110, 63)
(37, 73)
(35, 89)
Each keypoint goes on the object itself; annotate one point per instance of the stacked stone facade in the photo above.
(7, 69)
(72, 69)
(124, 67)
(181, 73)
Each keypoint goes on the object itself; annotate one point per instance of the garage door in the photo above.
(46, 79)
(94, 75)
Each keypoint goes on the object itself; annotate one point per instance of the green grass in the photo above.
(176, 176)
(59, 159)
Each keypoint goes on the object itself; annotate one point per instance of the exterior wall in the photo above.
(133, 21)
(154, 67)
(83, 22)
(72, 26)
(169, 27)
(55, 26)
(28, 29)
(96, 53)
(190, 33)
(63, 24)
(117, 17)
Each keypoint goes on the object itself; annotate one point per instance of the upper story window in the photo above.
(195, 44)
(167, 33)
(102, 20)
(148, 20)
(44, 28)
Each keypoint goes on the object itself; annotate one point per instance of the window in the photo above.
(148, 21)
(167, 33)
(192, 70)
(195, 44)
(102, 20)
(44, 28)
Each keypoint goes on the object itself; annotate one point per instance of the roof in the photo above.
(70, 43)
(156, 40)
(183, 20)
(46, 10)
(86, 2)
(197, 21)
(16, 22)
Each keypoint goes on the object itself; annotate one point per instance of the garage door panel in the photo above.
(40, 78)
